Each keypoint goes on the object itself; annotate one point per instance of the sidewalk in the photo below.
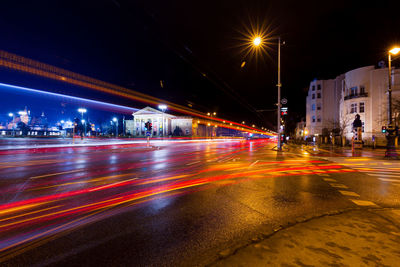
(351, 238)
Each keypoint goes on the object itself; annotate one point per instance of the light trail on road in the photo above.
(102, 184)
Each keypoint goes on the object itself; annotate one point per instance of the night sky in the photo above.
(194, 47)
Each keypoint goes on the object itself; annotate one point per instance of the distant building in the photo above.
(174, 125)
(332, 108)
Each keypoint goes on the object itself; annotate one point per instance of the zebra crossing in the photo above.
(383, 173)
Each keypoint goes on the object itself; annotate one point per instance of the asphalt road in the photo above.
(180, 204)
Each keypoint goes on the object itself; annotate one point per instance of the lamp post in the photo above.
(257, 42)
(116, 128)
(13, 122)
(391, 136)
(163, 109)
(83, 110)
(214, 114)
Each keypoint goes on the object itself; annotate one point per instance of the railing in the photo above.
(356, 96)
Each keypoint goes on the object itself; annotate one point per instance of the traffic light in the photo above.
(146, 125)
(383, 129)
(150, 126)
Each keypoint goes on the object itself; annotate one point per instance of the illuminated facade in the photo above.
(163, 124)
(360, 91)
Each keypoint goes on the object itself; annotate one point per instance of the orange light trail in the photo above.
(16, 62)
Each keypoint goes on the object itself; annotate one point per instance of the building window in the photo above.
(353, 108)
(319, 119)
(362, 126)
(313, 107)
(313, 87)
(362, 89)
(313, 118)
(319, 95)
(313, 96)
(318, 106)
(353, 91)
(319, 87)
(362, 107)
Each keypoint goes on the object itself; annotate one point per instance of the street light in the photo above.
(83, 110)
(13, 122)
(391, 148)
(116, 128)
(163, 109)
(257, 41)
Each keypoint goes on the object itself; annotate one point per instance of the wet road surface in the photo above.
(172, 205)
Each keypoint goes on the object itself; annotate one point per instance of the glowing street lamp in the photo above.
(13, 122)
(391, 136)
(257, 41)
(163, 108)
(83, 110)
(116, 127)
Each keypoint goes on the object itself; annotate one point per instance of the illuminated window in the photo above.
(362, 89)
(353, 108)
(313, 107)
(318, 106)
(353, 91)
(319, 119)
(313, 118)
(362, 107)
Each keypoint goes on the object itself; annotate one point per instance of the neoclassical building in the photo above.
(164, 124)
(331, 105)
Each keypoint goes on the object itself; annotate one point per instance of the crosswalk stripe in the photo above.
(383, 175)
(363, 202)
(338, 186)
(389, 180)
(349, 193)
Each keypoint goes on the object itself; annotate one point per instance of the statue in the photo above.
(357, 122)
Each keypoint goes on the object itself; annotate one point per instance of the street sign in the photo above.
(283, 101)
(148, 134)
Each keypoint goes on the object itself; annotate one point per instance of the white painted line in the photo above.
(339, 186)
(349, 193)
(254, 163)
(192, 163)
(389, 180)
(383, 175)
(329, 180)
(363, 202)
(323, 174)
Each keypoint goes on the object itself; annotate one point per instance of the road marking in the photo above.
(363, 202)
(323, 174)
(52, 174)
(349, 193)
(254, 163)
(329, 180)
(339, 186)
(389, 180)
(383, 175)
(193, 163)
